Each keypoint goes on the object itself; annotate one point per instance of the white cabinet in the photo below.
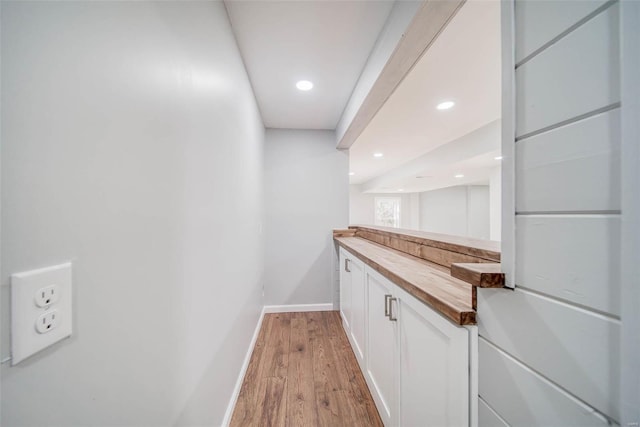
(434, 366)
(418, 365)
(345, 289)
(380, 359)
(358, 306)
(352, 301)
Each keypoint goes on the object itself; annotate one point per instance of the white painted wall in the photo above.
(306, 197)
(550, 349)
(495, 204)
(131, 145)
(460, 211)
(444, 211)
(362, 208)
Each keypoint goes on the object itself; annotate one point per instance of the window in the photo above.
(387, 211)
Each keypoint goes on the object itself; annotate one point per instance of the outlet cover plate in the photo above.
(25, 312)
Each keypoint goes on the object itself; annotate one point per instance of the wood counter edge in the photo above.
(346, 232)
(455, 315)
(468, 246)
(481, 275)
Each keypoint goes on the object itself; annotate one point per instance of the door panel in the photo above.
(434, 364)
(381, 346)
(345, 289)
(358, 304)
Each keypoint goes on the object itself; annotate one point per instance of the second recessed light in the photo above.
(304, 85)
(378, 155)
(445, 105)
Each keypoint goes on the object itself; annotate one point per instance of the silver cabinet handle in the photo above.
(386, 304)
(391, 300)
(346, 265)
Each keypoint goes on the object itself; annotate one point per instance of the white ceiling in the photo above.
(473, 155)
(462, 65)
(326, 42)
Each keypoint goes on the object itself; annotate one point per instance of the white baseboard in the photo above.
(243, 371)
(298, 308)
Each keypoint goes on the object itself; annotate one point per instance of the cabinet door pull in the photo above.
(386, 304)
(391, 300)
(346, 265)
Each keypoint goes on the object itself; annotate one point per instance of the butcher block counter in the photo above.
(424, 265)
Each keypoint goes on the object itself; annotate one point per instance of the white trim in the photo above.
(425, 27)
(630, 232)
(473, 375)
(508, 234)
(295, 308)
(245, 365)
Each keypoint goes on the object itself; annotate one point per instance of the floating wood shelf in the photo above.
(439, 248)
(482, 275)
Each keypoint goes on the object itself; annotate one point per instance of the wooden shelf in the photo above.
(437, 248)
(482, 275)
(483, 250)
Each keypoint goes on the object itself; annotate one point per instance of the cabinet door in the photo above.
(358, 305)
(381, 347)
(345, 289)
(434, 367)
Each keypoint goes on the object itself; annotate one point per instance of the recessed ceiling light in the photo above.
(400, 189)
(498, 158)
(445, 105)
(459, 176)
(378, 155)
(351, 173)
(304, 85)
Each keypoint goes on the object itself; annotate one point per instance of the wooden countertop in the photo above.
(487, 250)
(428, 282)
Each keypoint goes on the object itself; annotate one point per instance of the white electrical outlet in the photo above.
(48, 321)
(47, 296)
(41, 312)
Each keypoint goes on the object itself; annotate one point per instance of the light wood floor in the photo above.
(303, 373)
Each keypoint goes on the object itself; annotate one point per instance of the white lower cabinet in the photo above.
(380, 358)
(434, 367)
(418, 365)
(358, 306)
(352, 301)
(345, 289)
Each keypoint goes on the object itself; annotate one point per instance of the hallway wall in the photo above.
(306, 196)
(462, 210)
(549, 351)
(132, 145)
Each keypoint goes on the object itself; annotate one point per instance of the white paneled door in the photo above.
(381, 342)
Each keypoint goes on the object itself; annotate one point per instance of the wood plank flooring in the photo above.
(303, 373)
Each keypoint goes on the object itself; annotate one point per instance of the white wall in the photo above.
(306, 197)
(132, 145)
(461, 211)
(362, 208)
(550, 349)
(495, 204)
